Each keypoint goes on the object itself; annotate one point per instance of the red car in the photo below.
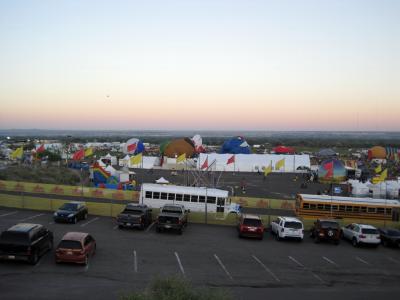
(75, 247)
(250, 226)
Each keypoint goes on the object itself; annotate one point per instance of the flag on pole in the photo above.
(231, 160)
(280, 164)
(78, 155)
(268, 170)
(181, 158)
(329, 170)
(18, 152)
(136, 159)
(378, 169)
(205, 164)
(88, 152)
(40, 149)
(383, 175)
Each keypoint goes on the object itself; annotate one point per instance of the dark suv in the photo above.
(135, 215)
(326, 230)
(71, 212)
(25, 242)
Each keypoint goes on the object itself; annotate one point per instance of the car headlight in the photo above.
(55, 214)
(70, 215)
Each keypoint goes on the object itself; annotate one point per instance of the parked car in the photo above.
(25, 242)
(71, 212)
(325, 230)
(75, 247)
(287, 227)
(172, 216)
(250, 226)
(361, 234)
(390, 237)
(135, 215)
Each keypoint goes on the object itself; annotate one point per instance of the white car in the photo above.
(287, 227)
(361, 234)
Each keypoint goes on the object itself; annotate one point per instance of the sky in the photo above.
(219, 65)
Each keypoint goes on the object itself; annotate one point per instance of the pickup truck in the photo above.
(172, 216)
(135, 215)
(25, 242)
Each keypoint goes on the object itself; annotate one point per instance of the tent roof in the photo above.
(326, 152)
(162, 180)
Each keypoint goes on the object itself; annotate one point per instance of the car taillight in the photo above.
(362, 236)
(260, 229)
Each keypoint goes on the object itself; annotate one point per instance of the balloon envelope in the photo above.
(331, 170)
(236, 145)
(178, 147)
(133, 146)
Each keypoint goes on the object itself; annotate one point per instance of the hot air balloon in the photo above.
(236, 145)
(178, 147)
(283, 150)
(377, 152)
(133, 146)
(331, 170)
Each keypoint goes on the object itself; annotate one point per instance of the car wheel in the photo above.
(85, 216)
(336, 242)
(354, 242)
(261, 238)
(398, 244)
(300, 240)
(33, 259)
(316, 240)
(75, 220)
(385, 243)
(86, 260)
(277, 237)
(180, 231)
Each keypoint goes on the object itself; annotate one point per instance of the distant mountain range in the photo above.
(204, 133)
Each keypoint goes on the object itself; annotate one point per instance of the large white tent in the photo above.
(254, 162)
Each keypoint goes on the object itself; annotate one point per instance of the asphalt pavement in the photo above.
(209, 256)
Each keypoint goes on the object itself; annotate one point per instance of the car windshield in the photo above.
(369, 231)
(294, 225)
(393, 232)
(132, 211)
(252, 222)
(171, 209)
(66, 244)
(327, 224)
(14, 237)
(69, 207)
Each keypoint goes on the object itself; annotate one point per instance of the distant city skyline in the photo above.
(200, 65)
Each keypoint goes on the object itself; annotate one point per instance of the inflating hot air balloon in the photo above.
(133, 146)
(236, 145)
(331, 170)
(198, 144)
(178, 147)
(377, 152)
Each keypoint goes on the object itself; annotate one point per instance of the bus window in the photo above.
(202, 199)
(194, 198)
(164, 196)
(380, 210)
(371, 210)
(179, 197)
(320, 206)
(156, 195)
(388, 211)
(356, 208)
(349, 208)
(327, 207)
(363, 209)
(186, 198)
(312, 206)
(342, 208)
(171, 196)
(306, 205)
(221, 201)
(334, 207)
(211, 200)
(149, 195)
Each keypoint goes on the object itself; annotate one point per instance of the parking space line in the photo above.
(51, 223)
(362, 260)
(150, 226)
(92, 220)
(115, 227)
(330, 261)
(266, 268)
(306, 269)
(393, 260)
(30, 218)
(180, 264)
(135, 266)
(9, 214)
(296, 261)
(223, 267)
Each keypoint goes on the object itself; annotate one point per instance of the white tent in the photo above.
(111, 170)
(254, 162)
(162, 180)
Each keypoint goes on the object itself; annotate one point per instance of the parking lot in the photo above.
(208, 256)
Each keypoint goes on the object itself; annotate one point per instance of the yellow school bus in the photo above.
(346, 207)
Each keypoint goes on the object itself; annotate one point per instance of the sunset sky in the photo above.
(251, 65)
